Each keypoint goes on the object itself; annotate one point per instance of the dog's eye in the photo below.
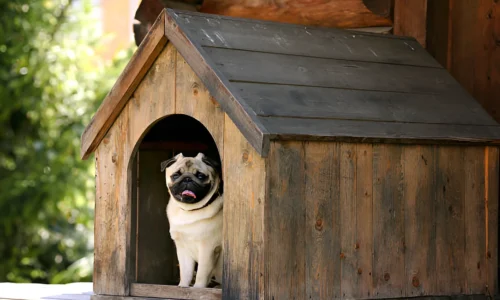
(201, 176)
(175, 176)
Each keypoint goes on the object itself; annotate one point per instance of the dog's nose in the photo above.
(187, 179)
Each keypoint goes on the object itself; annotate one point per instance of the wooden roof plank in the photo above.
(240, 34)
(325, 103)
(125, 85)
(370, 131)
(262, 67)
(234, 105)
(304, 83)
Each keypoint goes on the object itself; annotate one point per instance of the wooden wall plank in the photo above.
(156, 254)
(112, 211)
(348, 210)
(420, 224)
(475, 220)
(438, 36)
(475, 50)
(310, 71)
(125, 85)
(132, 274)
(244, 201)
(323, 219)
(364, 219)
(193, 99)
(410, 19)
(463, 37)
(331, 103)
(388, 221)
(154, 97)
(285, 222)
(491, 201)
(450, 227)
(304, 41)
(113, 240)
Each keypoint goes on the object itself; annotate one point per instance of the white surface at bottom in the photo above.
(34, 291)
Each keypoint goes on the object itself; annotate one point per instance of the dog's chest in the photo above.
(196, 231)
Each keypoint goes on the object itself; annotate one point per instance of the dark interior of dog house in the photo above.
(155, 258)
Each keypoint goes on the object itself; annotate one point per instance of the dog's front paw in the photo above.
(199, 285)
(183, 285)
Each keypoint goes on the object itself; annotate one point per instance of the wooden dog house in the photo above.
(355, 166)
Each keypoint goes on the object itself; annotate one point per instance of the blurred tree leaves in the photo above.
(51, 83)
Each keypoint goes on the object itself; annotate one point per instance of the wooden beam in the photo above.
(175, 292)
(438, 26)
(464, 36)
(339, 13)
(410, 19)
(126, 84)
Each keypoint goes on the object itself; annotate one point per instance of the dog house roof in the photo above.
(287, 82)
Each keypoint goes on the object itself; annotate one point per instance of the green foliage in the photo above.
(51, 82)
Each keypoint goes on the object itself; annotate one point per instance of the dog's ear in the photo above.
(212, 162)
(167, 163)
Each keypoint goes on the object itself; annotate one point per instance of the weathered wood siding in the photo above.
(169, 87)
(379, 220)
(244, 201)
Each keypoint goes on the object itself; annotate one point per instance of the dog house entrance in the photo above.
(154, 258)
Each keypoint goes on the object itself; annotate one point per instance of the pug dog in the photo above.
(194, 213)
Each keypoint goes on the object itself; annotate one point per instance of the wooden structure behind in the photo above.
(464, 36)
(379, 180)
(332, 13)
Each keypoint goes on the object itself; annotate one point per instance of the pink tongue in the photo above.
(188, 193)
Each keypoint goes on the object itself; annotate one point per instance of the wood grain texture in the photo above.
(320, 42)
(450, 225)
(156, 254)
(285, 221)
(388, 222)
(420, 224)
(475, 221)
(459, 297)
(217, 85)
(237, 65)
(370, 131)
(112, 222)
(492, 177)
(340, 13)
(438, 38)
(348, 209)
(410, 19)
(364, 222)
(463, 37)
(125, 85)
(155, 95)
(323, 220)
(244, 202)
(149, 9)
(174, 292)
(112, 240)
(193, 99)
(474, 50)
(270, 100)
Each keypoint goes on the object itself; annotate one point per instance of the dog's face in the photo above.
(191, 180)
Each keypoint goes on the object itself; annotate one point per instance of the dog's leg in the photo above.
(186, 266)
(218, 269)
(207, 259)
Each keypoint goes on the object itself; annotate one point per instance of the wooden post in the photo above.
(410, 19)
